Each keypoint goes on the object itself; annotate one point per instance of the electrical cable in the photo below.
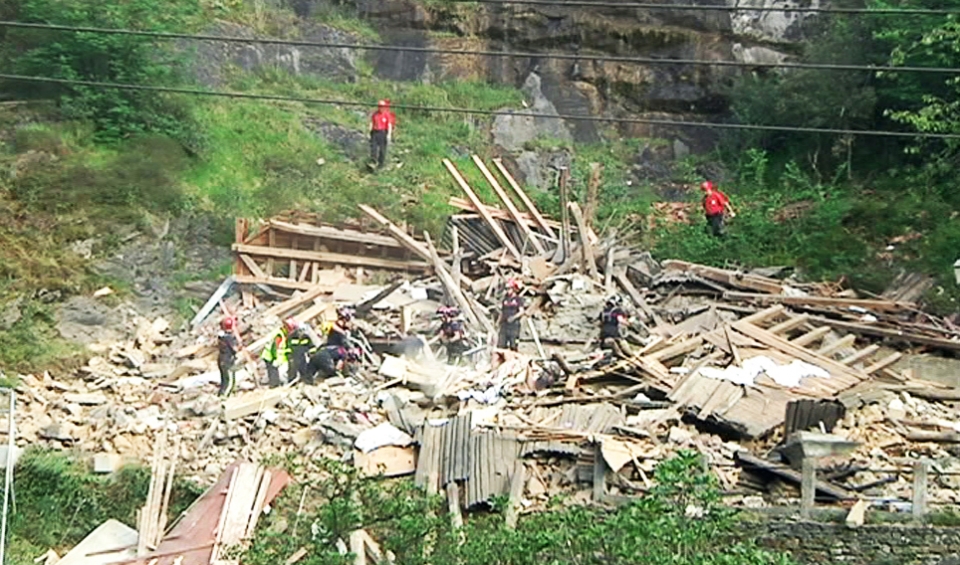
(483, 53)
(469, 111)
(701, 8)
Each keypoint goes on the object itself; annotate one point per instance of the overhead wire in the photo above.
(473, 111)
(708, 8)
(481, 53)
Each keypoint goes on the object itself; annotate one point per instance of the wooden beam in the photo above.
(677, 349)
(492, 223)
(527, 203)
(821, 301)
(281, 283)
(845, 341)
(790, 323)
(282, 309)
(763, 315)
(732, 278)
(811, 336)
(331, 258)
(455, 292)
(865, 329)
(340, 234)
(255, 269)
(563, 251)
(589, 260)
(511, 208)
(860, 355)
(401, 236)
(499, 213)
(634, 294)
(785, 346)
(883, 363)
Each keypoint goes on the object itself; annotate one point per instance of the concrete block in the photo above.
(105, 463)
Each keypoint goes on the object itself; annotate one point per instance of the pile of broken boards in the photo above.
(222, 519)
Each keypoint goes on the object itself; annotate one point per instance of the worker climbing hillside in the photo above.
(277, 351)
(511, 310)
(715, 205)
(452, 333)
(382, 124)
(227, 348)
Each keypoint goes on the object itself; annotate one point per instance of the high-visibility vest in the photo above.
(274, 352)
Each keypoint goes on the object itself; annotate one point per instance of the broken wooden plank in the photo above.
(732, 278)
(790, 323)
(252, 402)
(842, 343)
(883, 363)
(634, 294)
(511, 208)
(465, 205)
(811, 336)
(213, 301)
(339, 234)
(860, 355)
(589, 259)
(821, 301)
(279, 282)
(491, 223)
(330, 258)
(784, 472)
(527, 203)
(897, 335)
(475, 318)
(401, 236)
(933, 437)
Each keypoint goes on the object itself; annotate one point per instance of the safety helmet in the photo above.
(228, 323)
(352, 353)
(383, 103)
(706, 186)
(514, 284)
(614, 300)
(345, 313)
(291, 324)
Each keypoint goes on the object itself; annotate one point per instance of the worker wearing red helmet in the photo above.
(227, 347)
(511, 309)
(382, 123)
(715, 205)
(277, 351)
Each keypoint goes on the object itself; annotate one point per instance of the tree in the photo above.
(101, 58)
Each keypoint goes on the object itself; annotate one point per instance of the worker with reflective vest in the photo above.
(277, 351)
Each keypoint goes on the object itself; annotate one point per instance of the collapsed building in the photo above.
(749, 369)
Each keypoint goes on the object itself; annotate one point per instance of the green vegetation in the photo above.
(58, 502)
(680, 522)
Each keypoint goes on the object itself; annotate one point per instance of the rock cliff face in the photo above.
(591, 86)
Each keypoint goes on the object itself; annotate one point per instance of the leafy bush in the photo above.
(681, 521)
(102, 58)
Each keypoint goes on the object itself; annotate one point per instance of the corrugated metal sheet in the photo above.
(587, 418)
(482, 461)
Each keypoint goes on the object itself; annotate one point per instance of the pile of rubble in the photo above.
(730, 363)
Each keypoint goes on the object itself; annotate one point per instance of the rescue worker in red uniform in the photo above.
(715, 206)
(452, 334)
(382, 123)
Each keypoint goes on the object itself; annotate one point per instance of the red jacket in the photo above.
(715, 202)
(382, 120)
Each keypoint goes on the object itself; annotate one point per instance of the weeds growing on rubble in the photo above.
(681, 521)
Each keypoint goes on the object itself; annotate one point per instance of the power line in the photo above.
(483, 53)
(701, 8)
(454, 110)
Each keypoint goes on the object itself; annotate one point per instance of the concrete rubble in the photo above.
(725, 362)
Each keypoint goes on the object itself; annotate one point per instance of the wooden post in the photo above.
(589, 261)
(358, 548)
(527, 203)
(511, 209)
(563, 251)
(808, 486)
(517, 482)
(599, 473)
(593, 189)
(920, 470)
(608, 271)
(482, 210)
(453, 504)
(457, 257)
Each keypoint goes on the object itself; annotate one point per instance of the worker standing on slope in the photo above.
(511, 309)
(277, 351)
(715, 205)
(227, 347)
(382, 123)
